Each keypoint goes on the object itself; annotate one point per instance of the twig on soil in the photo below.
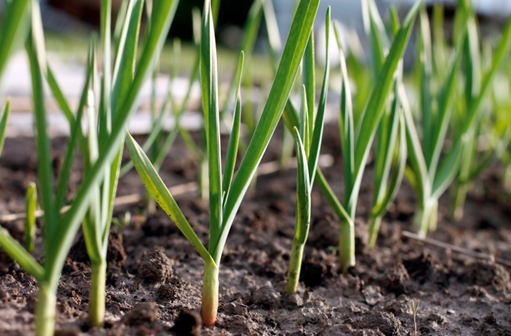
(264, 169)
(470, 253)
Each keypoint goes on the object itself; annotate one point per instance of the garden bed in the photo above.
(154, 273)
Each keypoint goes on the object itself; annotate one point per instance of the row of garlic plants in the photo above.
(433, 141)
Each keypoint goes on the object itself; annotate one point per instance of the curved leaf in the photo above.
(162, 196)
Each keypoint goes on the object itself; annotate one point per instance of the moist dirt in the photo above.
(154, 278)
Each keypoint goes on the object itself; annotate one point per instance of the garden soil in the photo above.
(154, 278)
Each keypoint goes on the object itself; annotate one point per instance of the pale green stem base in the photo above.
(97, 295)
(507, 178)
(210, 295)
(287, 150)
(426, 218)
(295, 267)
(374, 229)
(458, 201)
(45, 311)
(151, 205)
(346, 246)
(203, 179)
(433, 217)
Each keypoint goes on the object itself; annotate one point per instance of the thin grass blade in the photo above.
(209, 84)
(446, 171)
(346, 126)
(309, 80)
(44, 156)
(126, 54)
(303, 192)
(395, 24)
(76, 133)
(30, 209)
(234, 138)
(389, 132)
(425, 79)
(4, 116)
(317, 135)
(500, 51)
(304, 121)
(444, 116)
(419, 180)
(397, 174)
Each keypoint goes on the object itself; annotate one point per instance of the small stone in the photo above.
(451, 312)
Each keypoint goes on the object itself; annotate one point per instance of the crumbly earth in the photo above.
(154, 276)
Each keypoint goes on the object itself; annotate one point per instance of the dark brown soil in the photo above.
(154, 276)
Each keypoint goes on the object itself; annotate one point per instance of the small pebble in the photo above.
(292, 301)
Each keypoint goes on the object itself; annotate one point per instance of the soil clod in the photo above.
(155, 267)
(167, 293)
(142, 313)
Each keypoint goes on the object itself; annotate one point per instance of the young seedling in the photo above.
(414, 305)
(490, 136)
(356, 140)
(427, 173)
(390, 153)
(307, 154)
(59, 230)
(30, 208)
(122, 222)
(225, 196)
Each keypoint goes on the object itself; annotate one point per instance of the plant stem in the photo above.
(433, 216)
(287, 149)
(203, 178)
(151, 205)
(507, 178)
(458, 200)
(346, 245)
(97, 294)
(210, 295)
(45, 311)
(374, 228)
(426, 217)
(295, 266)
(420, 220)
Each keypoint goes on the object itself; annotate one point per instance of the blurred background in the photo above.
(69, 25)
(80, 16)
